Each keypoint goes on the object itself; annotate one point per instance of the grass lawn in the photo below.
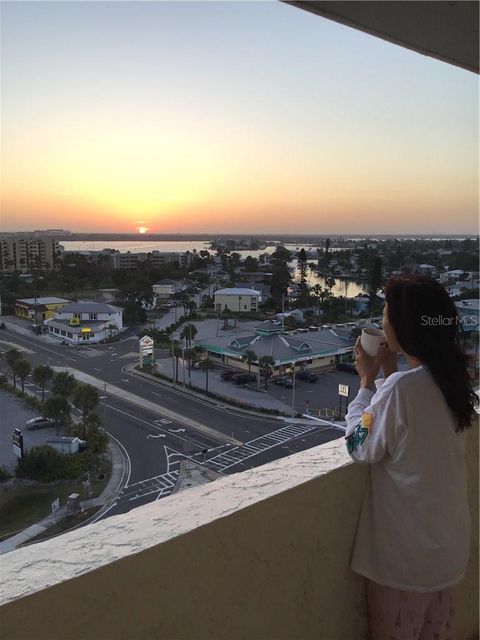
(64, 525)
(23, 506)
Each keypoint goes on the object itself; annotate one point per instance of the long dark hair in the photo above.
(427, 326)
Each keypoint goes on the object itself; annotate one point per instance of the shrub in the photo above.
(4, 475)
(45, 464)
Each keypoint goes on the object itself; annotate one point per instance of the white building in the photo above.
(454, 274)
(86, 322)
(237, 299)
(164, 289)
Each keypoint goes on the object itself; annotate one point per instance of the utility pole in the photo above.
(283, 312)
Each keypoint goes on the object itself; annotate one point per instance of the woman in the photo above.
(413, 538)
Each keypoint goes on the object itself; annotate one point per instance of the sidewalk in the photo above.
(107, 496)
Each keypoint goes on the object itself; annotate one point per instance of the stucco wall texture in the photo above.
(276, 567)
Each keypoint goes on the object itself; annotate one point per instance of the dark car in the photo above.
(284, 381)
(2, 325)
(227, 375)
(307, 376)
(349, 367)
(243, 378)
(39, 423)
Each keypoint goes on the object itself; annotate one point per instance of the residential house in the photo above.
(86, 322)
(166, 288)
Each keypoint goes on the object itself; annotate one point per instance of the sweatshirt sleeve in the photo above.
(374, 424)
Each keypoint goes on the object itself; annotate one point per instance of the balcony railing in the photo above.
(260, 555)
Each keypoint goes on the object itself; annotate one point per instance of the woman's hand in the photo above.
(369, 366)
(388, 360)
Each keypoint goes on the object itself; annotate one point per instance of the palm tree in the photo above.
(205, 365)
(41, 375)
(177, 353)
(249, 357)
(265, 363)
(11, 357)
(189, 354)
(64, 384)
(226, 315)
(57, 408)
(22, 368)
(192, 305)
(86, 399)
(189, 332)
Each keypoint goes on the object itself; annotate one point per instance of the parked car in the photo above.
(243, 378)
(39, 423)
(349, 367)
(307, 376)
(2, 325)
(284, 381)
(227, 375)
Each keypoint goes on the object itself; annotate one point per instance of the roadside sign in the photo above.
(55, 505)
(146, 351)
(343, 390)
(18, 443)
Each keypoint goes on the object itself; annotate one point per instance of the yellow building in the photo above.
(39, 308)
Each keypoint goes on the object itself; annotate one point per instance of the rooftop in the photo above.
(90, 307)
(237, 291)
(47, 300)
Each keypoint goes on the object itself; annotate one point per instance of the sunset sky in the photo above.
(245, 117)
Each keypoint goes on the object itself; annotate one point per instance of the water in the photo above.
(341, 288)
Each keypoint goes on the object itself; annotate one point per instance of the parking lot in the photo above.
(14, 415)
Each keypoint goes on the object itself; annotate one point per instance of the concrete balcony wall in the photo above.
(260, 555)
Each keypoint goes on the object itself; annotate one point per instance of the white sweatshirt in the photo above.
(414, 528)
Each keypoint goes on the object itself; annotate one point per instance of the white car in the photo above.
(39, 423)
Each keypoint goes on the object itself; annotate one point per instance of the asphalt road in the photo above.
(153, 442)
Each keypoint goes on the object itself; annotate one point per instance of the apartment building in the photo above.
(155, 258)
(237, 299)
(26, 252)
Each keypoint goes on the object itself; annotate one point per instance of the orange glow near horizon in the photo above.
(317, 130)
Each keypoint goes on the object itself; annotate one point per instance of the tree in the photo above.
(64, 384)
(375, 281)
(205, 365)
(189, 354)
(86, 399)
(22, 368)
(177, 354)
(191, 305)
(11, 357)
(188, 333)
(302, 267)
(57, 408)
(226, 315)
(281, 276)
(249, 357)
(250, 264)
(41, 375)
(265, 364)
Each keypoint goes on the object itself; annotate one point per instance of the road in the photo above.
(157, 426)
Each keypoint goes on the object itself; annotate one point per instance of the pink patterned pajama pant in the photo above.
(409, 615)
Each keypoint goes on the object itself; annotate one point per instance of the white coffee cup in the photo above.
(371, 340)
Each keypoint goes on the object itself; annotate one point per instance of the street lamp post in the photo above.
(104, 404)
(293, 392)
(173, 364)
